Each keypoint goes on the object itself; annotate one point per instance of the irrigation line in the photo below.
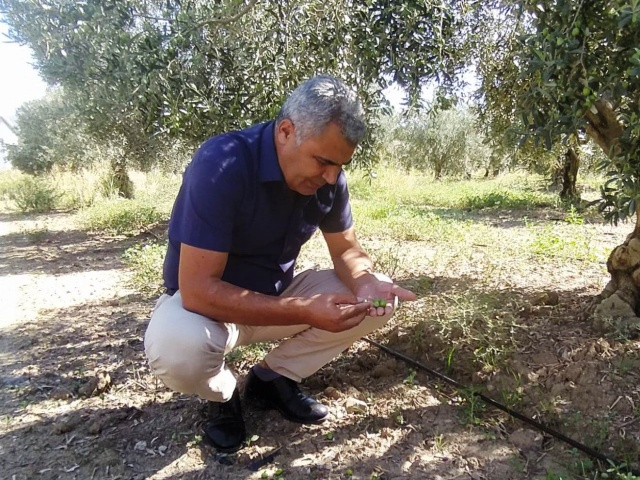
(585, 449)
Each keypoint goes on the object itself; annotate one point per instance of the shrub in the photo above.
(121, 216)
(33, 195)
(146, 263)
(9, 180)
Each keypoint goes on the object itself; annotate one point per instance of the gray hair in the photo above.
(319, 101)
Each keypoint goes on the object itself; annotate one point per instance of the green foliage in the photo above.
(33, 195)
(549, 242)
(121, 216)
(9, 179)
(444, 142)
(50, 132)
(146, 263)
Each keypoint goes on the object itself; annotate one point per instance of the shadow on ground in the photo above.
(398, 428)
(61, 252)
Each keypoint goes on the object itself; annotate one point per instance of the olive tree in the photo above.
(563, 67)
(444, 142)
(49, 133)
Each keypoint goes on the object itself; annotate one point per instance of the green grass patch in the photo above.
(121, 216)
(389, 189)
(569, 243)
(507, 199)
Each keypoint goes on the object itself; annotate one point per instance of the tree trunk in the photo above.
(570, 175)
(618, 304)
(120, 180)
(603, 127)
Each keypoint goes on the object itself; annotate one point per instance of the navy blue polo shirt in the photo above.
(234, 199)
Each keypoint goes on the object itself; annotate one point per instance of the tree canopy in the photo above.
(555, 68)
(192, 68)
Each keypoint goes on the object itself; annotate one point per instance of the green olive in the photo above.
(382, 302)
(376, 303)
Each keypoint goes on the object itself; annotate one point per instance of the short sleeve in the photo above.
(339, 217)
(210, 196)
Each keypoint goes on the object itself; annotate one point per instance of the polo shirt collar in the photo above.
(270, 170)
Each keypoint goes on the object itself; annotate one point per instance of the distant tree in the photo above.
(444, 142)
(49, 133)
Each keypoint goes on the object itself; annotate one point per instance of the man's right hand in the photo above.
(335, 312)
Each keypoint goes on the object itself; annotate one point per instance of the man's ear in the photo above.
(285, 131)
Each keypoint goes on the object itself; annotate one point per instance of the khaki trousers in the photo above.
(186, 350)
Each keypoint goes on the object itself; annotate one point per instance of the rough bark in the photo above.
(603, 126)
(570, 175)
(618, 305)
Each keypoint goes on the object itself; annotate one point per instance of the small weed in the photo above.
(472, 406)
(411, 378)
(146, 262)
(555, 476)
(252, 439)
(513, 397)
(448, 363)
(193, 443)
(618, 472)
(573, 217)
(248, 353)
(387, 261)
(439, 443)
(398, 417)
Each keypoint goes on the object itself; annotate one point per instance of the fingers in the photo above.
(348, 311)
(403, 293)
(381, 311)
(345, 299)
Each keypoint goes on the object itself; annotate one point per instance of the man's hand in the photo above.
(382, 291)
(336, 312)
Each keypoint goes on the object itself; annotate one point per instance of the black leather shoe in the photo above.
(225, 427)
(284, 395)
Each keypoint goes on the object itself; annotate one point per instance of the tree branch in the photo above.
(231, 19)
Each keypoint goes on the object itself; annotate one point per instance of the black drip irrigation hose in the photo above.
(554, 433)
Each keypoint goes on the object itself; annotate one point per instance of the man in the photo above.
(248, 202)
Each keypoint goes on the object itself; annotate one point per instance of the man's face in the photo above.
(316, 161)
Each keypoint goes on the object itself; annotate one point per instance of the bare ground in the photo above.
(78, 402)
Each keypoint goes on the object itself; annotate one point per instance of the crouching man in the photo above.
(248, 202)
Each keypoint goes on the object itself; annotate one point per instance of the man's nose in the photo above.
(331, 173)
